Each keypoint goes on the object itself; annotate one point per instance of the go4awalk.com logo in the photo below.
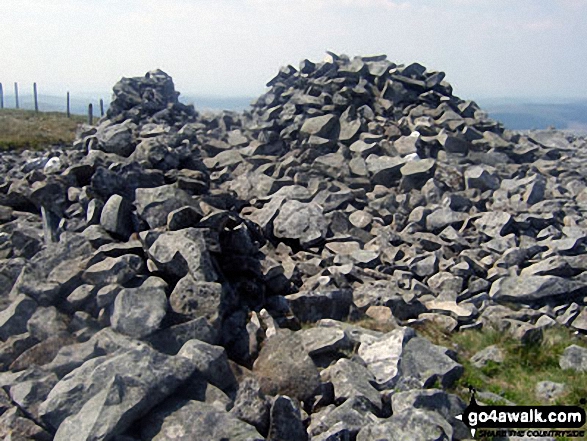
(529, 421)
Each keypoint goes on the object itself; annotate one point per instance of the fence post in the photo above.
(36, 98)
(90, 114)
(68, 113)
(1, 97)
(101, 107)
(16, 95)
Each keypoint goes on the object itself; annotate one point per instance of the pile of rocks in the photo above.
(157, 278)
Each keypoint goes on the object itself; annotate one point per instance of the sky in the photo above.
(488, 48)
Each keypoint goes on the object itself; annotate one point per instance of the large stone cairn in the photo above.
(156, 276)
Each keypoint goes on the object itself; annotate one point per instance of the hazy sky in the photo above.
(488, 48)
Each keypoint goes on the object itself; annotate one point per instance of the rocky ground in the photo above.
(187, 276)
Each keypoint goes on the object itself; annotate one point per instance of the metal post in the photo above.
(1, 97)
(16, 95)
(101, 107)
(36, 98)
(90, 114)
(68, 113)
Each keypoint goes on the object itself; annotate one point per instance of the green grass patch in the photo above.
(27, 129)
(524, 365)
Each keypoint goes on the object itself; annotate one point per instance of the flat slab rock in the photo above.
(106, 394)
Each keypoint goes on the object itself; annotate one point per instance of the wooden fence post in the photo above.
(16, 95)
(101, 107)
(68, 113)
(36, 97)
(1, 97)
(90, 114)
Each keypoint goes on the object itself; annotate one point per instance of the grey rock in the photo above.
(321, 126)
(481, 178)
(104, 396)
(447, 405)
(580, 321)
(251, 405)
(46, 322)
(15, 426)
(285, 421)
(115, 217)
(413, 424)
(171, 339)
(526, 289)
(353, 415)
(114, 270)
(424, 364)
(548, 390)
(29, 394)
(383, 355)
(385, 170)
(199, 299)
(574, 357)
(193, 420)
(351, 379)
(489, 354)
(117, 138)
(13, 347)
(319, 341)
(211, 362)
(312, 306)
(184, 217)
(155, 204)
(94, 212)
(138, 312)
(494, 224)
(299, 221)
(13, 320)
(181, 252)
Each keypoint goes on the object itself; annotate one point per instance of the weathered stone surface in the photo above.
(574, 357)
(181, 252)
(489, 354)
(315, 305)
(299, 221)
(194, 420)
(199, 299)
(114, 270)
(211, 362)
(46, 322)
(351, 379)
(548, 390)
(423, 364)
(14, 319)
(383, 355)
(154, 204)
(138, 312)
(116, 138)
(417, 425)
(115, 216)
(251, 405)
(106, 394)
(352, 415)
(286, 422)
(532, 288)
(319, 126)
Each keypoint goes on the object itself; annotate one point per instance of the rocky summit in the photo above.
(204, 276)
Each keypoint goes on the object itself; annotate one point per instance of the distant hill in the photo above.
(515, 114)
(52, 103)
(527, 115)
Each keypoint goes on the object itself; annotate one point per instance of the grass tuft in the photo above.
(27, 129)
